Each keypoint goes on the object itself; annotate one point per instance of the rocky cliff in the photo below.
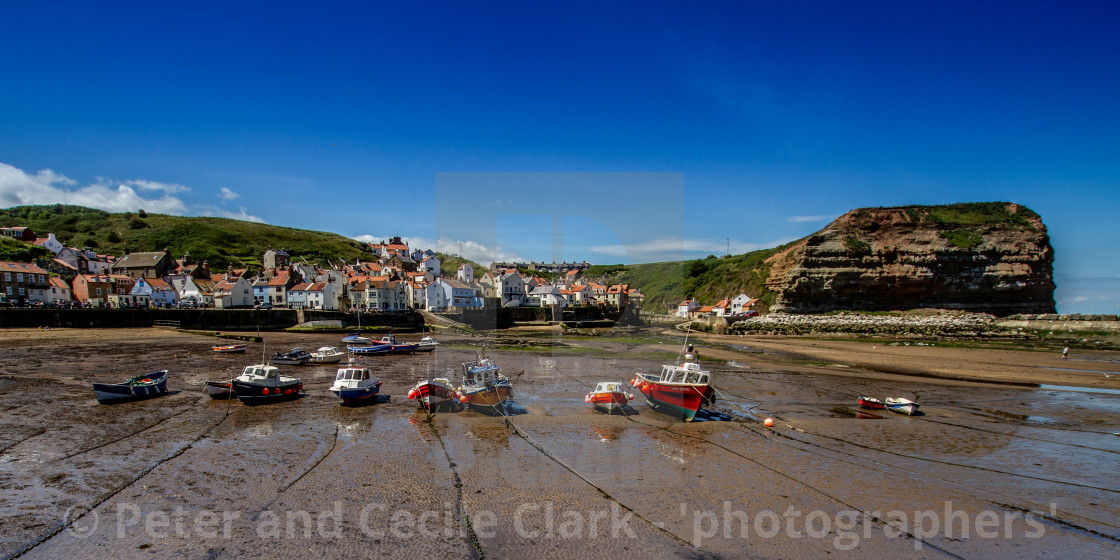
(985, 257)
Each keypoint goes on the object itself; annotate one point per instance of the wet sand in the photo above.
(1024, 471)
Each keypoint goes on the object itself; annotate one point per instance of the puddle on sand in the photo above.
(845, 412)
(1080, 389)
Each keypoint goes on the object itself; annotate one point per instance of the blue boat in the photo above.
(139, 387)
(369, 350)
(354, 385)
(397, 347)
(356, 338)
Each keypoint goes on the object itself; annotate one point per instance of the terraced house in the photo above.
(22, 283)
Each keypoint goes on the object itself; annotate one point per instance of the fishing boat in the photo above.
(262, 383)
(293, 357)
(426, 344)
(870, 403)
(483, 386)
(901, 405)
(398, 347)
(372, 350)
(326, 355)
(608, 397)
(219, 390)
(434, 394)
(229, 349)
(139, 387)
(354, 385)
(678, 390)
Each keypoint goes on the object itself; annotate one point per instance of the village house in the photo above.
(22, 282)
(50, 242)
(275, 258)
(742, 303)
(461, 295)
(157, 290)
(197, 290)
(430, 264)
(617, 295)
(19, 233)
(232, 292)
(687, 307)
(465, 273)
(274, 290)
(59, 291)
(93, 289)
(144, 265)
(722, 309)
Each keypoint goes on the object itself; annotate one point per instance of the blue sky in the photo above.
(670, 130)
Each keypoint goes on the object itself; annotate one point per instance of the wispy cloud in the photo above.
(477, 252)
(241, 214)
(226, 195)
(47, 187)
(805, 219)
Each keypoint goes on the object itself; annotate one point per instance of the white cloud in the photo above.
(804, 219)
(242, 214)
(227, 195)
(477, 252)
(673, 248)
(47, 187)
(169, 188)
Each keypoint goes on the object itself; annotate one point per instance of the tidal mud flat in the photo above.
(991, 470)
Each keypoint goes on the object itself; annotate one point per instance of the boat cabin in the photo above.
(608, 387)
(480, 372)
(260, 373)
(688, 373)
(350, 375)
(388, 339)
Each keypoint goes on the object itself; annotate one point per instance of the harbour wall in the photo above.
(205, 319)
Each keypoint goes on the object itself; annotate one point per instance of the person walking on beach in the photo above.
(1065, 352)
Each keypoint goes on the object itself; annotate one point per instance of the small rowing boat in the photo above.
(608, 397)
(139, 387)
(901, 406)
(870, 403)
(229, 349)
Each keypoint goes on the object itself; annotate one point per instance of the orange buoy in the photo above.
(265, 391)
(769, 422)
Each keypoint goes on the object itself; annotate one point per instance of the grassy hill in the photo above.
(220, 241)
(665, 284)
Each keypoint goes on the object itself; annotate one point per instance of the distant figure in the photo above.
(1065, 352)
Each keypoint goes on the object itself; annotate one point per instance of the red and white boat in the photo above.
(434, 394)
(229, 349)
(608, 397)
(871, 403)
(678, 390)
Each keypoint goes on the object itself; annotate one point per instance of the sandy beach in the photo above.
(993, 469)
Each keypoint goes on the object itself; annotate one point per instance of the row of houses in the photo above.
(399, 279)
(739, 305)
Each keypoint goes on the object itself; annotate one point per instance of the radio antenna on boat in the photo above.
(687, 332)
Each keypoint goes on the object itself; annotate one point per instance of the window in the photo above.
(19, 277)
(99, 291)
(7, 276)
(9, 290)
(21, 291)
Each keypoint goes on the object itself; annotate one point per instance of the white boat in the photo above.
(901, 405)
(354, 385)
(426, 344)
(326, 355)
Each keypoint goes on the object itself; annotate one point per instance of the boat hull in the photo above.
(425, 347)
(434, 396)
(677, 400)
(368, 350)
(219, 390)
(122, 392)
(486, 398)
(325, 359)
(909, 409)
(254, 393)
(608, 402)
(871, 403)
(233, 349)
(357, 396)
(403, 348)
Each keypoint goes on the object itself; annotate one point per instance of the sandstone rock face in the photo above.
(986, 257)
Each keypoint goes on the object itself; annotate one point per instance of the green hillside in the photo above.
(220, 241)
(666, 284)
